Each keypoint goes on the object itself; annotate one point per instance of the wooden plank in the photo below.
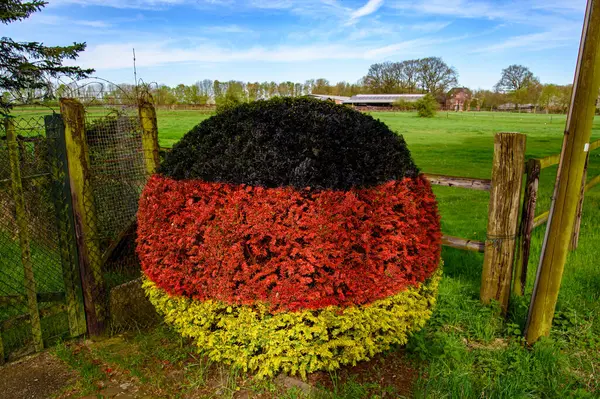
(150, 134)
(44, 312)
(568, 185)
(550, 160)
(592, 183)
(23, 232)
(462, 182)
(503, 216)
(463, 243)
(84, 211)
(526, 227)
(554, 159)
(8, 182)
(11, 300)
(540, 219)
(127, 231)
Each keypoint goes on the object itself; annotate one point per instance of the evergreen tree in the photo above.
(29, 66)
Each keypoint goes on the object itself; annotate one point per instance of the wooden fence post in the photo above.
(150, 134)
(90, 257)
(17, 188)
(61, 196)
(527, 217)
(577, 226)
(503, 216)
(570, 175)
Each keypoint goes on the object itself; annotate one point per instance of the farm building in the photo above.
(381, 100)
(458, 99)
(517, 107)
(327, 97)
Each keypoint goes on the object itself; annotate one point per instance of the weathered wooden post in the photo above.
(570, 176)
(61, 196)
(527, 217)
(503, 216)
(150, 134)
(23, 232)
(90, 259)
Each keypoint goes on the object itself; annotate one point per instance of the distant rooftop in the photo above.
(329, 97)
(382, 98)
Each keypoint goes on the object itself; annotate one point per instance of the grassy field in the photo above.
(469, 351)
(466, 350)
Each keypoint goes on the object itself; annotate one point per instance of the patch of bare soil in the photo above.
(40, 376)
(393, 375)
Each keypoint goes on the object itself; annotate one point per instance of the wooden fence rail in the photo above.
(463, 243)
(462, 182)
(554, 159)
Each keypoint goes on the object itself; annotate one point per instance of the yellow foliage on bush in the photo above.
(251, 338)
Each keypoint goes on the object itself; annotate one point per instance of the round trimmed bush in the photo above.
(290, 234)
(291, 142)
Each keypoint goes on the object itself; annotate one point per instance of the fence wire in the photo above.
(37, 246)
(41, 294)
(117, 176)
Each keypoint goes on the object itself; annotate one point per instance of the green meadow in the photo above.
(467, 350)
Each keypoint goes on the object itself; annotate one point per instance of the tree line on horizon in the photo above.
(517, 86)
(29, 72)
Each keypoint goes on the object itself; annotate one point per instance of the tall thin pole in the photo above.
(569, 179)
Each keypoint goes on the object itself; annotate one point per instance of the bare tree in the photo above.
(435, 76)
(410, 75)
(515, 77)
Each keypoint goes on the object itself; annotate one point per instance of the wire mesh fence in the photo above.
(117, 175)
(69, 191)
(38, 303)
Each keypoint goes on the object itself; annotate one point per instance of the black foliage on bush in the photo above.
(299, 142)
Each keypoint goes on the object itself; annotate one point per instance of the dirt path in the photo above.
(40, 376)
(156, 364)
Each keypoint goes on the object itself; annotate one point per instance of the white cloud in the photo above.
(532, 42)
(50, 19)
(368, 9)
(118, 55)
(412, 46)
(272, 4)
(541, 13)
(385, 31)
(136, 4)
(575, 6)
(226, 29)
(429, 27)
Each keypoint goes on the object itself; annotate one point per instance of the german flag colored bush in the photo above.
(290, 234)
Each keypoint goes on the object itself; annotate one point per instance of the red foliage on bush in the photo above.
(293, 249)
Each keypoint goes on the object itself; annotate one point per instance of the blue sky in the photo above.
(183, 41)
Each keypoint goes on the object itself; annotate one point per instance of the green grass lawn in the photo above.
(469, 351)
